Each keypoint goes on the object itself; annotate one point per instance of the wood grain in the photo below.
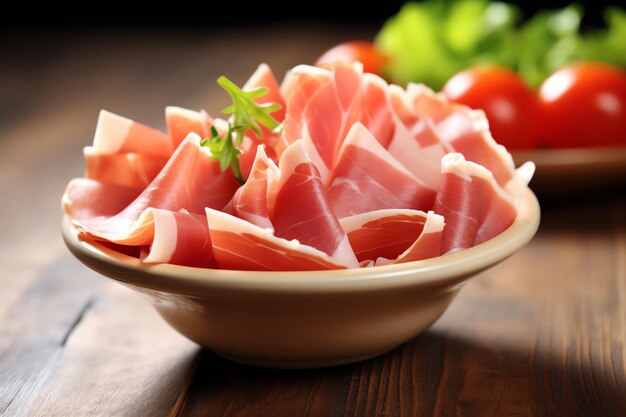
(542, 334)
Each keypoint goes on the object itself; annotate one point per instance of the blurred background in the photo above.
(209, 15)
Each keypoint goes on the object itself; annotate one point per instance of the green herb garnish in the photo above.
(246, 114)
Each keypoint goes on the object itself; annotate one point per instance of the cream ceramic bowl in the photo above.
(305, 319)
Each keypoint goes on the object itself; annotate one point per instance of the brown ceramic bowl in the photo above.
(305, 319)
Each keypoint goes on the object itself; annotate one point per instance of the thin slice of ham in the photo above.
(134, 170)
(180, 238)
(299, 208)
(473, 204)
(462, 129)
(466, 131)
(250, 200)
(181, 122)
(375, 110)
(241, 245)
(191, 180)
(368, 178)
(116, 135)
(394, 235)
(423, 163)
(324, 108)
(86, 198)
(125, 152)
(416, 144)
(428, 104)
(263, 77)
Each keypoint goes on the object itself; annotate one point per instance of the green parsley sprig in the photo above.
(246, 114)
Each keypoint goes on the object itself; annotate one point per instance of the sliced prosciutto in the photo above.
(358, 173)
(191, 180)
(368, 178)
(474, 206)
(415, 144)
(376, 114)
(250, 200)
(180, 238)
(238, 244)
(263, 77)
(325, 108)
(128, 169)
(85, 198)
(299, 208)
(394, 236)
(462, 129)
(116, 134)
(125, 152)
(181, 122)
(467, 132)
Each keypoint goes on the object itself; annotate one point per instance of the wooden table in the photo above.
(542, 334)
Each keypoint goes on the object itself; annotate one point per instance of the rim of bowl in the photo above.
(439, 271)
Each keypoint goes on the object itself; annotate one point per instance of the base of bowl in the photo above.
(300, 363)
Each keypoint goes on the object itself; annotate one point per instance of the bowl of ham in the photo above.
(340, 224)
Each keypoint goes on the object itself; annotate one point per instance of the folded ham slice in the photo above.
(467, 132)
(322, 105)
(241, 245)
(85, 198)
(129, 169)
(376, 114)
(366, 177)
(394, 235)
(116, 134)
(125, 152)
(250, 200)
(463, 130)
(299, 208)
(475, 207)
(181, 122)
(180, 238)
(191, 180)
(263, 77)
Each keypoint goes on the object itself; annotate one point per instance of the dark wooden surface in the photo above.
(542, 334)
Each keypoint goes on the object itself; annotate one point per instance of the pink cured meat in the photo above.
(416, 144)
(263, 77)
(250, 200)
(86, 198)
(191, 180)
(125, 152)
(134, 170)
(368, 178)
(424, 163)
(426, 246)
(396, 235)
(467, 132)
(181, 122)
(326, 107)
(180, 238)
(117, 135)
(428, 104)
(475, 207)
(299, 85)
(462, 129)
(376, 113)
(299, 209)
(240, 245)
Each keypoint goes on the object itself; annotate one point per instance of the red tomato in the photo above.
(584, 104)
(365, 52)
(510, 105)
